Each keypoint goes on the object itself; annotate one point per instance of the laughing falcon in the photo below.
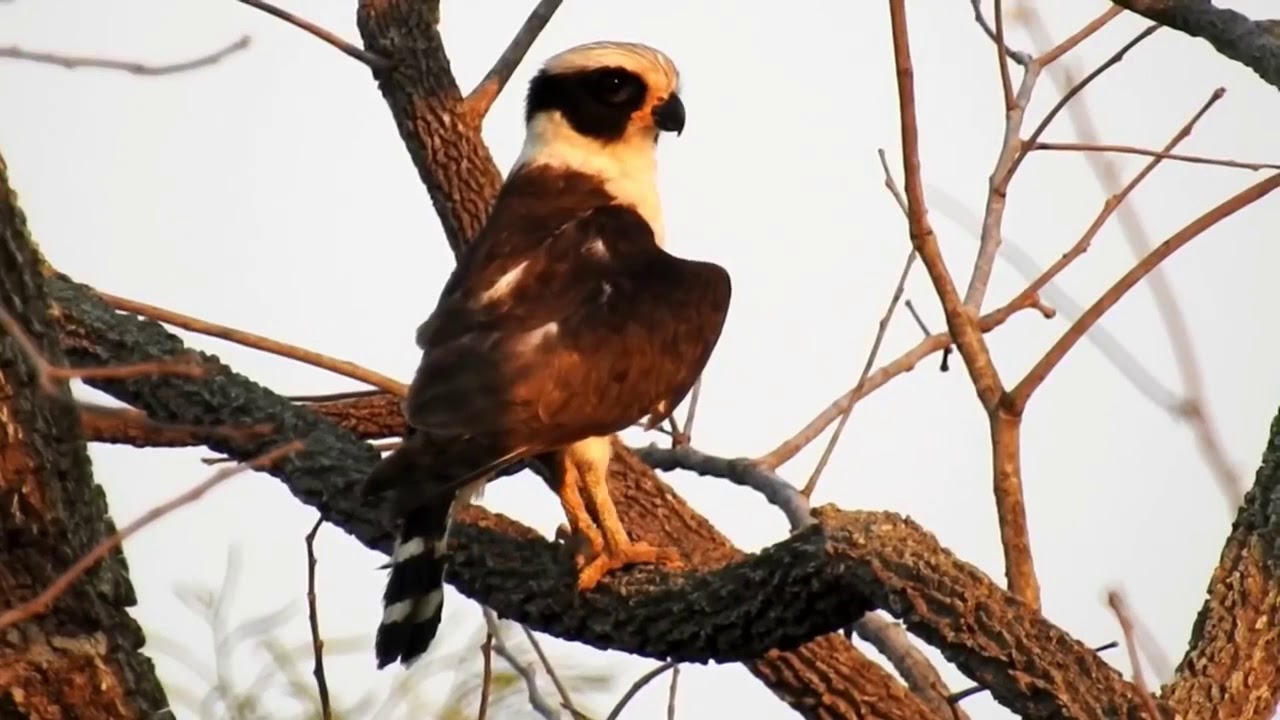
(564, 322)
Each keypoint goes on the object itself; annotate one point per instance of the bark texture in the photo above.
(1232, 666)
(1253, 43)
(82, 658)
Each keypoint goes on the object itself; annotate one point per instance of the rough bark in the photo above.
(82, 658)
(1253, 43)
(1232, 666)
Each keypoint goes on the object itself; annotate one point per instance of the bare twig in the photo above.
(1018, 57)
(344, 368)
(527, 672)
(1019, 395)
(1067, 97)
(375, 62)
(686, 433)
(1130, 150)
(915, 315)
(48, 374)
(1121, 610)
(671, 693)
(1051, 55)
(789, 448)
(638, 685)
(1006, 84)
(313, 617)
(487, 91)
(881, 329)
(486, 681)
(740, 471)
(41, 603)
(72, 62)
(922, 678)
(550, 669)
(1192, 408)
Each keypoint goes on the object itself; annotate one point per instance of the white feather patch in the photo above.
(395, 612)
(504, 284)
(408, 550)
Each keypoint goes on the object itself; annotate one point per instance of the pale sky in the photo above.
(272, 193)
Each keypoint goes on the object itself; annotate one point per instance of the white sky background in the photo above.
(271, 192)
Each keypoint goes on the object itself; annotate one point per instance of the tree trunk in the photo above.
(82, 658)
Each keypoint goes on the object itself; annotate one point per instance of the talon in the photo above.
(636, 553)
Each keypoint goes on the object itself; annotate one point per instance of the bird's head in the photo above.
(599, 109)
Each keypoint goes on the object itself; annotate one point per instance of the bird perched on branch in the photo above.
(564, 322)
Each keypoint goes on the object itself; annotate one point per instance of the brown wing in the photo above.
(588, 334)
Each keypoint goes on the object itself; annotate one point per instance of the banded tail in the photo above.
(414, 599)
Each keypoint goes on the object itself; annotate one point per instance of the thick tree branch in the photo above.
(1253, 43)
(822, 578)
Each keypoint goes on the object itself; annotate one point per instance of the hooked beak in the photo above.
(668, 115)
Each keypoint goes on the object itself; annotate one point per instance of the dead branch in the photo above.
(1002, 60)
(638, 685)
(1084, 147)
(1051, 55)
(258, 342)
(486, 679)
(374, 62)
(1121, 610)
(41, 603)
(740, 471)
(1019, 395)
(904, 363)
(566, 701)
(525, 670)
(1231, 33)
(1018, 57)
(313, 619)
(671, 694)
(72, 62)
(881, 328)
(1116, 201)
(477, 104)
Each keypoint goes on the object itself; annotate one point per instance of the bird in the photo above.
(564, 322)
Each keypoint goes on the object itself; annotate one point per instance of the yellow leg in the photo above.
(591, 459)
(581, 527)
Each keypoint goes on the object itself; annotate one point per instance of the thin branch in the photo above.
(1131, 150)
(922, 678)
(313, 617)
(1006, 84)
(915, 315)
(671, 693)
(41, 603)
(526, 671)
(375, 62)
(1051, 55)
(1018, 57)
(1067, 97)
(344, 368)
(1121, 610)
(1192, 409)
(686, 433)
(486, 681)
(881, 329)
(739, 471)
(72, 62)
(639, 684)
(1239, 201)
(561, 688)
(478, 102)
(48, 374)
(789, 448)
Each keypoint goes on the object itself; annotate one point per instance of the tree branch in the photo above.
(1252, 43)
(72, 62)
(477, 104)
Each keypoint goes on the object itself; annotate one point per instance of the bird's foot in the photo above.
(631, 553)
(585, 544)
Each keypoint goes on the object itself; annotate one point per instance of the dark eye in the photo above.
(616, 87)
